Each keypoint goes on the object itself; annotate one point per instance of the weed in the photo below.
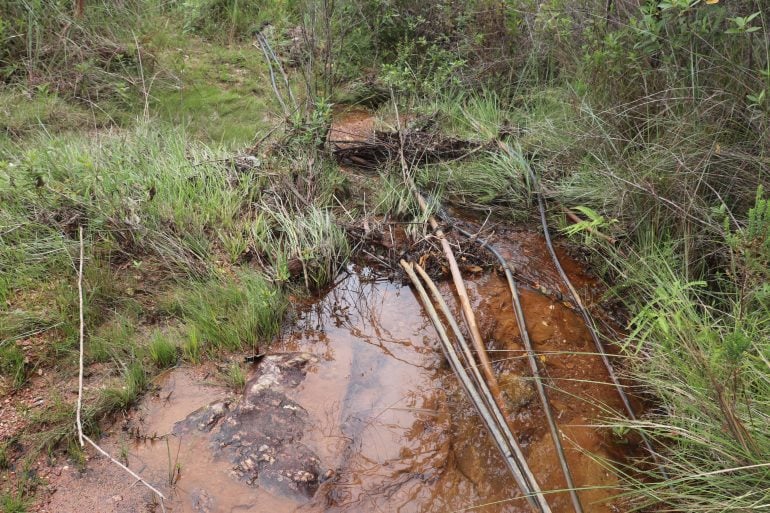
(192, 347)
(12, 364)
(235, 377)
(120, 398)
(307, 244)
(13, 502)
(162, 350)
(497, 179)
(396, 199)
(113, 340)
(230, 313)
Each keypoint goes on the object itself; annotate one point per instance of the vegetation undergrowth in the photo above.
(647, 121)
(648, 124)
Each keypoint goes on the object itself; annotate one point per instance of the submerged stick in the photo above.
(534, 366)
(491, 416)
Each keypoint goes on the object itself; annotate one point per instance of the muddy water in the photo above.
(386, 418)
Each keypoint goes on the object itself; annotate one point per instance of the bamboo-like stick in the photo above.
(462, 292)
(589, 322)
(534, 367)
(491, 416)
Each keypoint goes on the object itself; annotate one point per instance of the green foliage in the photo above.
(14, 502)
(235, 377)
(232, 19)
(708, 368)
(751, 243)
(592, 224)
(192, 347)
(308, 244)
(423, 69)
(12, 364)
(135, 381)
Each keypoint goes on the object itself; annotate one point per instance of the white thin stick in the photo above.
(131, 472)
(82, 331)
(79, 424)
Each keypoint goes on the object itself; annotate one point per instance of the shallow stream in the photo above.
(381, 420)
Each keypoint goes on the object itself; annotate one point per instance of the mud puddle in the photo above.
(355, 410)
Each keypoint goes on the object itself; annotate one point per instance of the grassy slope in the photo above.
(186, 257)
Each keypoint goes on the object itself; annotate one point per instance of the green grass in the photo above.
(12, 364)
(113, 340)
(5, 459)
(13, 503)
(135, 381)
(491, 180)
(220, 95)
(309, 244)
(192, 348)
(228, 313)
(23, 113)
(163, 352)
(705, 360)
(236, 377)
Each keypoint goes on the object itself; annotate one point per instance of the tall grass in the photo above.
(308, 244)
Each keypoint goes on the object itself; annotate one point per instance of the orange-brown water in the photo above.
(388, 421)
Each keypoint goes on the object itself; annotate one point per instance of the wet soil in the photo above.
(382, 421)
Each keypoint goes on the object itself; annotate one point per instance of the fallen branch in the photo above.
(482, 398)
(78, 421)
(534, 367)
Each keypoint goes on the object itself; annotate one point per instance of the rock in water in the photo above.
(262, 434)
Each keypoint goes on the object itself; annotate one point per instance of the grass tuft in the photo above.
(162, 351)
(229, 313)
(236, 377)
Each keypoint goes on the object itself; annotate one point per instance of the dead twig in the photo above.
(479, 394)
(78, 421)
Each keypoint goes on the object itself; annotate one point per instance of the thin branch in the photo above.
(78, 421)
